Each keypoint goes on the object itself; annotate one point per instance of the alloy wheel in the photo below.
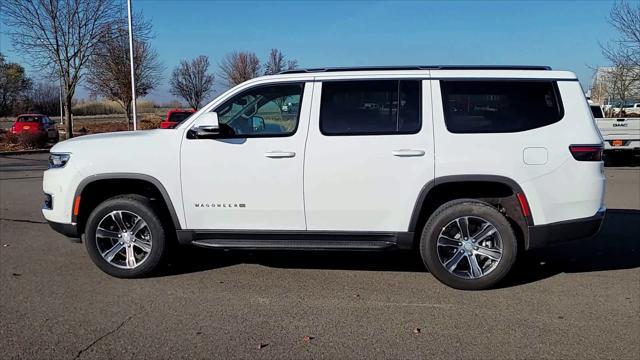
(123, 239)
(469, 247)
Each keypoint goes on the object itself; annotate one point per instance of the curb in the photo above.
(24, 152)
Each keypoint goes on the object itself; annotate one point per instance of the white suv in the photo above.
(466, 164)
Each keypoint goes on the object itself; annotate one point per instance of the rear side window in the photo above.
(500, 106)
(179, 116)
(370, 107)
(597, 111)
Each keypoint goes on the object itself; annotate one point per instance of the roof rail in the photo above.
(417, 67)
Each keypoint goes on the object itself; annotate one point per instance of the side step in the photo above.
(295, 244)
(296, 240)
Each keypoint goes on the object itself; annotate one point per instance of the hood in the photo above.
(119, 138)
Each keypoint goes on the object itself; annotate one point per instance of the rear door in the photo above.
(369, 153)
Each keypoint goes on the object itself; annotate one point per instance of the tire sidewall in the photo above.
(141, 207)
(447, 213)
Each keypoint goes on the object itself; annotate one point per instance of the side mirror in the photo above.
(257, 123)
(206, 126)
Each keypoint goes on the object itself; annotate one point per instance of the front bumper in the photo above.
(69, 230)
(564, 231)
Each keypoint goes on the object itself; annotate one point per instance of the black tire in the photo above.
(142, 207)
(447, 213)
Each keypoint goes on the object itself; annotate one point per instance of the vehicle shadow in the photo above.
(617, 246)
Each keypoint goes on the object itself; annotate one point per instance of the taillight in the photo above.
(587, 152)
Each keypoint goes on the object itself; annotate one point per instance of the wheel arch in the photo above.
(497, 190)
(112, 184)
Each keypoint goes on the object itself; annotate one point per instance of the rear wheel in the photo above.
(125, 237)
(468, 244)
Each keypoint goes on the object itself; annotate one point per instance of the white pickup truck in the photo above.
(633, 108)
(619, 134)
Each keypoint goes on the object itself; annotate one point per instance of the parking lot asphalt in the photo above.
(579, 300)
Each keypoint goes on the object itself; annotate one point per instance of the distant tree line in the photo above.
(19, 93)
(86, 42)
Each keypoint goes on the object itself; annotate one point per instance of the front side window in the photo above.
(502, 106)
(272, 110)
(370, 107)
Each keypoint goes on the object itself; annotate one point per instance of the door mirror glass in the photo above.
(257, 124)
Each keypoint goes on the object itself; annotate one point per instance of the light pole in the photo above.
(133, 78)
(61, 114)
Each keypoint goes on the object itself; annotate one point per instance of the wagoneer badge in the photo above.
(222, 205)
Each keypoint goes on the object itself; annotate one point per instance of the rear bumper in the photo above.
(564, 231)
(627, 145)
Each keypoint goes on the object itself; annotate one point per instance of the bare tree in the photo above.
(625, 18)
(621, 81)
(108, 69)
(616, 84)
(44, 99)
(60, 35)
(14, 85)
(191, 81)
(238, 67)
(277, 63)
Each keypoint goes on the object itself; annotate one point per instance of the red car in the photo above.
(175, 117)
(35, 124)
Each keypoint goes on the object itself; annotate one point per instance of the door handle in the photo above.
(407, 152)
(279, 154)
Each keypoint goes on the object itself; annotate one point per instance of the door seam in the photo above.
(304, 155)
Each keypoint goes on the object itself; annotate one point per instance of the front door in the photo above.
(250, 175)
(369, 153)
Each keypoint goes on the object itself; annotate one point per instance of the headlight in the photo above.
(58, 160)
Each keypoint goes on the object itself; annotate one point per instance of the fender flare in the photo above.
(132, 176)
(426, 189)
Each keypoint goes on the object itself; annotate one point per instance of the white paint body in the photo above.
(349, 183)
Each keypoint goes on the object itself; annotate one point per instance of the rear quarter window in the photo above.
(480, 106)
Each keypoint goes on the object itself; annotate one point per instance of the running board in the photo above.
(296, 240)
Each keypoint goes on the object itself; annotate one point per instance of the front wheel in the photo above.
(125, 237)
(468, 244)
